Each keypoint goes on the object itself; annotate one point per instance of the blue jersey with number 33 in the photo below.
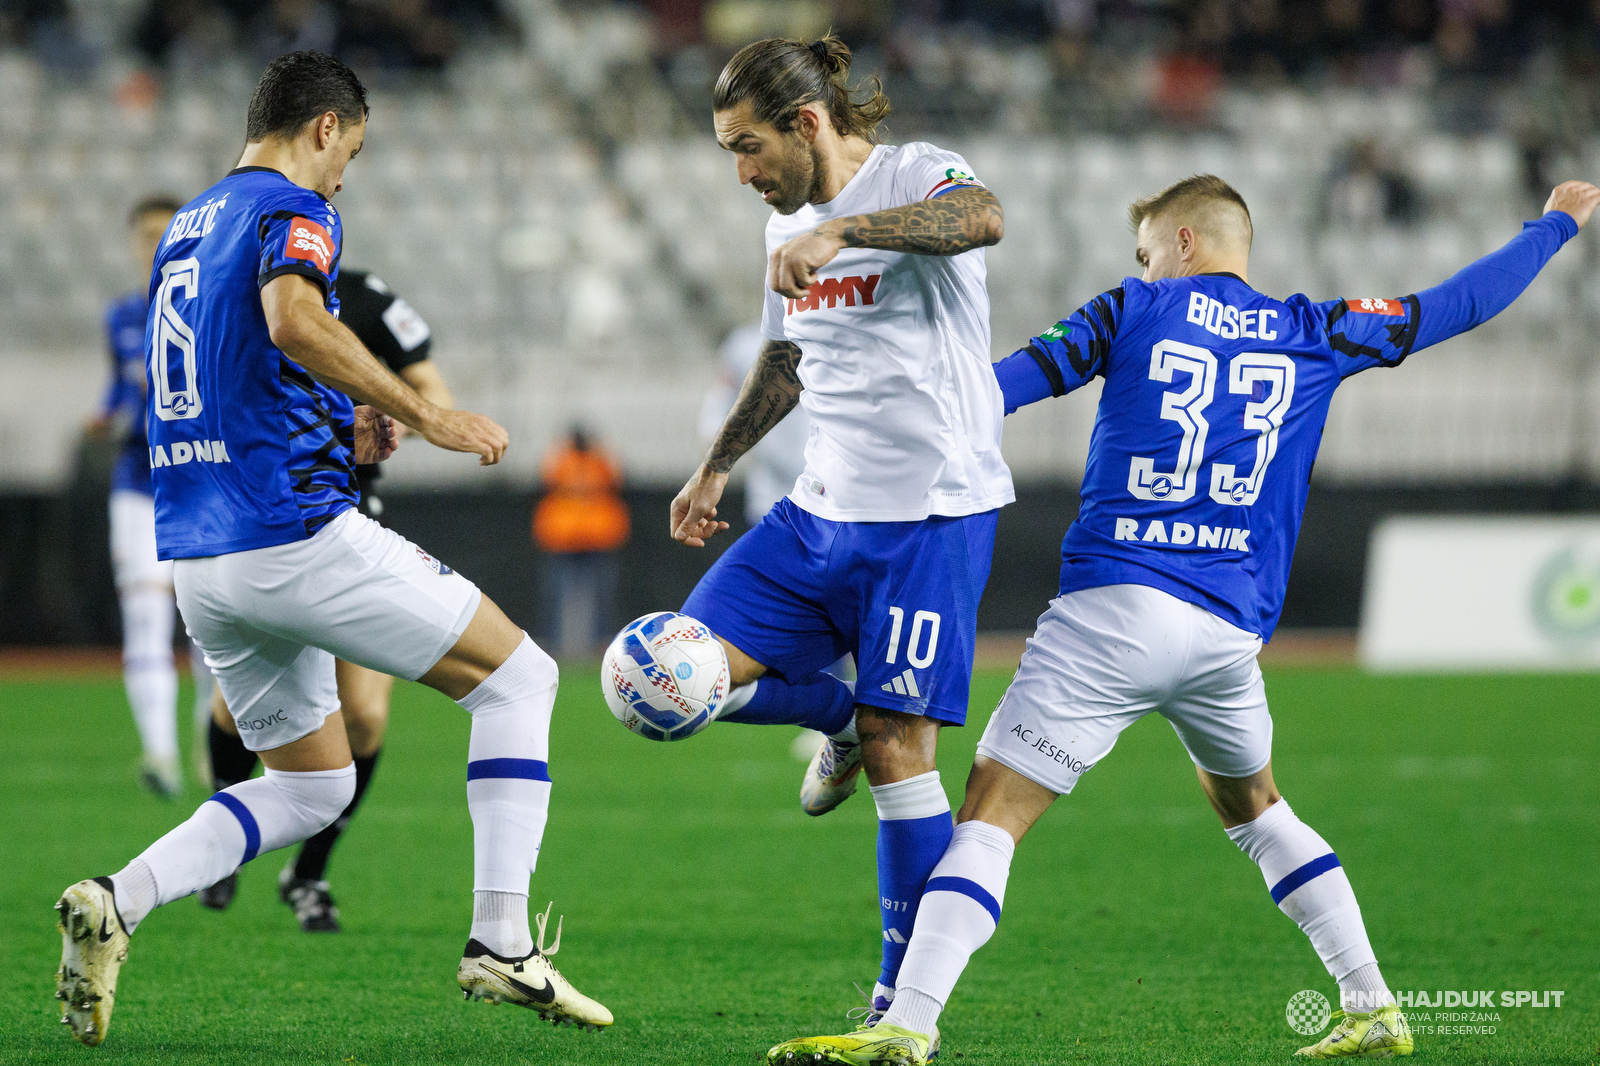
(246, 450)
(1212, 412)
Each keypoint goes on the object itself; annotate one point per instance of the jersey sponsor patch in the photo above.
(1377, 305)
(832, 290)
(309, 241)
(953, 179)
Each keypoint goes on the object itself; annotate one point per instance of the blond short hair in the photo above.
(1202, 201)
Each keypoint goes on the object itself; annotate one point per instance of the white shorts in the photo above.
(133, 541)
(271, 620)
(1103, 658)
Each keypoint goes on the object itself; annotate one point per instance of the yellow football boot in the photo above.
(874, 1045)
(1379, 1034)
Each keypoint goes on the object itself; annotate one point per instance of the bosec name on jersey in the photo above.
(1228, 321)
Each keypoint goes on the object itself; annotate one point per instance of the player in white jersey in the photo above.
(877, 326)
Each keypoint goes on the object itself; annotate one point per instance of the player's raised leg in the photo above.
(1308, 883)
(307, 782)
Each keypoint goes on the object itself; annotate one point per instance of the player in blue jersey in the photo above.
(1174, 574)
(144, 582)
(254, 442)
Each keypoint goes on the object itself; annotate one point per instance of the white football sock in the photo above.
(147, 670)
(227, 831)
(500, 923)
(508, 774)
(1308, 884)
(1363, 990)
(959, 910)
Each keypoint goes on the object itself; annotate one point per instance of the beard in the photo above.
(801, 181)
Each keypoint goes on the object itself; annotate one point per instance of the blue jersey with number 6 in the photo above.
(246, 449)
(1212, 412)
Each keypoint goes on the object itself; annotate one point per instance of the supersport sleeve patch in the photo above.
(1377, 305)
(1371, 331)
(309, 241)
(300, 242)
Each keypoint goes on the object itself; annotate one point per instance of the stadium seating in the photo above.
(571, 271)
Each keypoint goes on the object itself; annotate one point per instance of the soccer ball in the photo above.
(665, 676)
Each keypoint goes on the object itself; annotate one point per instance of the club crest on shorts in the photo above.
(433, 564)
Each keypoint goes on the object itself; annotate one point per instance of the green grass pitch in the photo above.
(715, 919)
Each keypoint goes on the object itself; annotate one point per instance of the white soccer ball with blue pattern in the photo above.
(665, 676)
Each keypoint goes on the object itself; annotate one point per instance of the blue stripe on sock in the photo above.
(247, 822)
(970, 889)
(1312, 869)
(527, 769)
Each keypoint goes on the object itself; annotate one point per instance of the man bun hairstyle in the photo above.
(778, 75)
(1198, 197)
(299, 87)
(165, 203)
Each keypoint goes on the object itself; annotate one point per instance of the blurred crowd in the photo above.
(1104, 62)
(415, 34)
(1364, 41)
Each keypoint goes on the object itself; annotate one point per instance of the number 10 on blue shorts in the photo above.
(797, 592)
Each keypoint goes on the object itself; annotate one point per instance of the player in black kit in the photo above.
(400, 338)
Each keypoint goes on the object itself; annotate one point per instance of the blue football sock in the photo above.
(821, 702)
(914, 829)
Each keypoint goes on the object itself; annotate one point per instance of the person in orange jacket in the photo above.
(579, 525)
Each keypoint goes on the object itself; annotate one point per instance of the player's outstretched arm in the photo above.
(959, 221)
(1485, 288)
(302, 329)
(770, 391)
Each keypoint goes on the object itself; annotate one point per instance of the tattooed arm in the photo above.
(968, 218)
(957, 222)
(770, 391)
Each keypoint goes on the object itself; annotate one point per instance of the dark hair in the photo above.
(778, 75)
(297, 88)
(163, 202)
(1190, 193)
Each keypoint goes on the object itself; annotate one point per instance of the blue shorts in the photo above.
(797, 592)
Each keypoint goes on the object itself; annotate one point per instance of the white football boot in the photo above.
(531, 981)
(94, 945)
(830, 777)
